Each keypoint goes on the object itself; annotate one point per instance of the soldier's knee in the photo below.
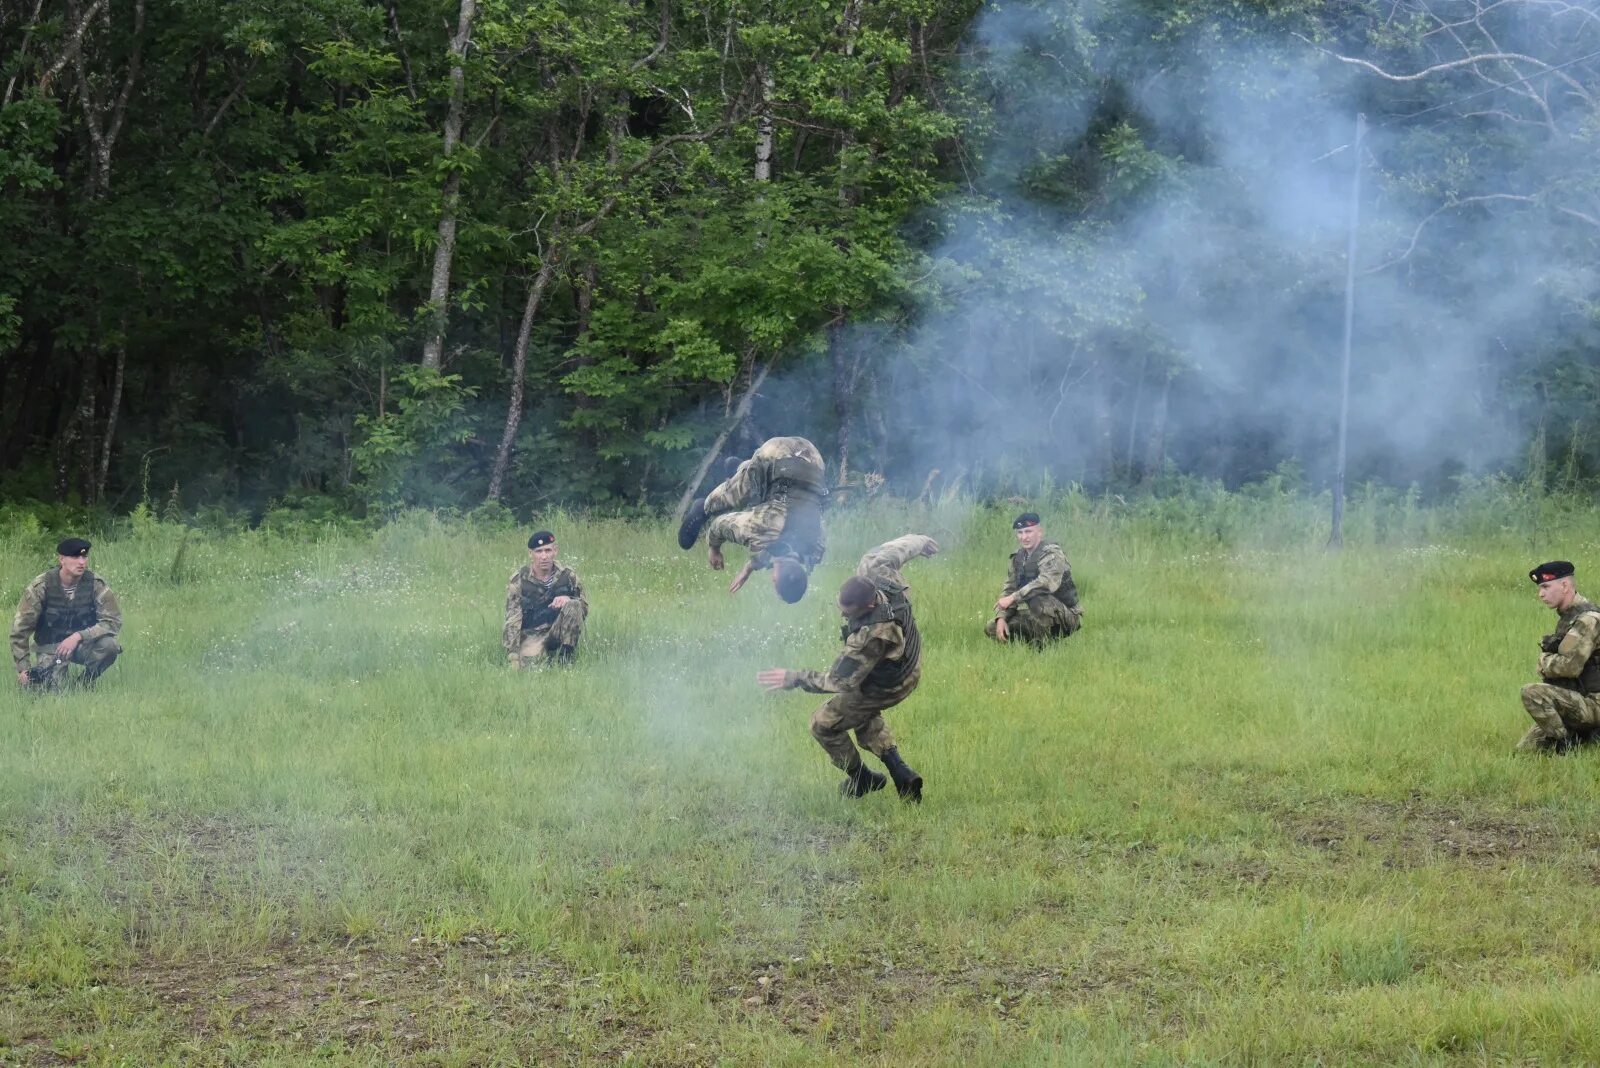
(1536, 696)
(823, 725)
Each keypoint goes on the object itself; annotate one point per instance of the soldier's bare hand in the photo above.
(1005, 602)
(714, 558)
(741, 578)
(931, 548)
(22, 678)
(1000, 630)
(773, 679)
(559, 602)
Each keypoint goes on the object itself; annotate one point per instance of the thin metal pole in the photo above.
(1336, 537)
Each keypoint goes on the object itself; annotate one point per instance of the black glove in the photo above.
(1550, 643)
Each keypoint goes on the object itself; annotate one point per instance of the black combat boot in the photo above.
(94, 671)
(693, 520)
(906, 780)
(861, 782)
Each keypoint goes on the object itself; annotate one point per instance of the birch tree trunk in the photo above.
(111, 417)
(741, 412)
(519, 369)
(444, 249)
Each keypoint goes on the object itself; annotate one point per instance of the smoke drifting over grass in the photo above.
(1146, 265)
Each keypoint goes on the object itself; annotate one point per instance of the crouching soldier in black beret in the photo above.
(1565, 706)
(545, 608)
(1039, 602)
(71, 617)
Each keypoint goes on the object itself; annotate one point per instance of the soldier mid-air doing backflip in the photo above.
(772, 505)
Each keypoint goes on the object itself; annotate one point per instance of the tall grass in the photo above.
(1262, 809)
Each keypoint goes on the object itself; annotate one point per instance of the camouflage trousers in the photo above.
(541, 641)
(1040, 619)
(1559, 714)
(754, 528)
(860, 712)
(738, 516)
(95, 656)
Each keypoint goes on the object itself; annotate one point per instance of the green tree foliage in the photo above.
(221, 227)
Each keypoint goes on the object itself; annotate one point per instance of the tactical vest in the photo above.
(62, 616)
(1028, 570)
(1588, 680)
(536, 598)
(799, 485)
(890, 674)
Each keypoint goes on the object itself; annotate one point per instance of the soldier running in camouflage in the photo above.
(880, 665)
(71, 616)
(772, 505)
(1566, 706)
(1039, 602)
(545, 608)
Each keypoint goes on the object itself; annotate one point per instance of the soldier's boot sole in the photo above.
(693, 522)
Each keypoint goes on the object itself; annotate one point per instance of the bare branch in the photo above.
(661, 45)
(73, 43)
(233, 94)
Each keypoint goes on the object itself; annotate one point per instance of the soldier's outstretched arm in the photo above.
(1575, 650)
(861, 653)
(886, 560)
(22, 624)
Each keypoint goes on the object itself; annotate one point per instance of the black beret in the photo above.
(1555, 569)
(541, 537)
(72, 547)
(1026, 519)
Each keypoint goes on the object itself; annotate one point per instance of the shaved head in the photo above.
(857, 592)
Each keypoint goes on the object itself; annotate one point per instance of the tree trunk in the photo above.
(741, 411)
(519, 368)
(765, 130)
(843, 391)
(1105, 446)
(444, 249)
(1155, 444)
(111, 418)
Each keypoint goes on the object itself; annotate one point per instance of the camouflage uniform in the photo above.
(1047, 599)
(1566, 706)
(880, 665)
(532, 627)
(99, 620)
(754, 508)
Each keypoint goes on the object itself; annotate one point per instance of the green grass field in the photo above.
(1263, 809)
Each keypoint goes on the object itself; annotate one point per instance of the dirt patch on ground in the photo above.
(424, 996)
(1417, 832)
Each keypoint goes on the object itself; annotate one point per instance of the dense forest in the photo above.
(356, 254)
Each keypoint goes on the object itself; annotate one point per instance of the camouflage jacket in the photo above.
(865, 647)
(522, 577)
(1044, 570)
(26, 620)
(1578, 634)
